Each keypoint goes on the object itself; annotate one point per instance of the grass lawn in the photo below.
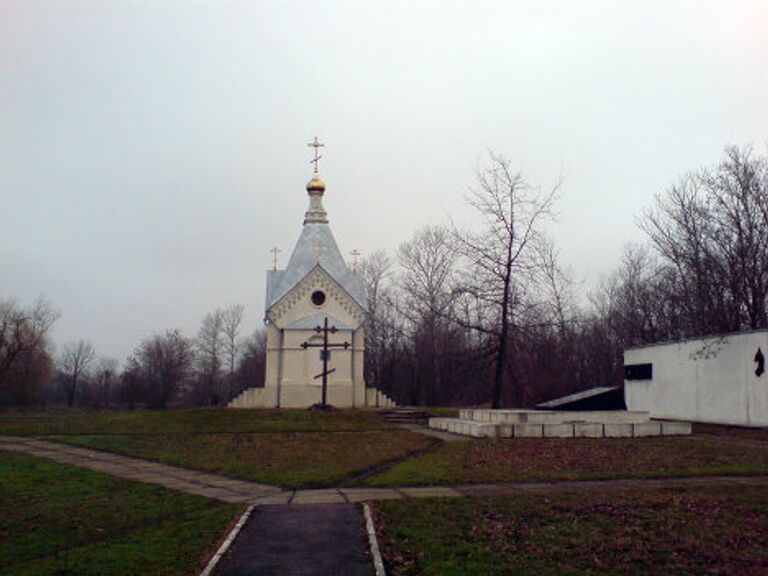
(485, 461)
(291, 460)
(734, 432)
(58, 519)
(681, 531)
(206, 421)
(291, 448)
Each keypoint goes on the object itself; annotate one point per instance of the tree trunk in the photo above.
(501, 355)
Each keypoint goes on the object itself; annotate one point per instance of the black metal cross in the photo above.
(325, 354)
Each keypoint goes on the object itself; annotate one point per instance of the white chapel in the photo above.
(315, 286)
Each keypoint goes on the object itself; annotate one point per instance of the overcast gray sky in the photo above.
(152, 152)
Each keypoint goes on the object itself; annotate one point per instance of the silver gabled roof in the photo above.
(303, 260)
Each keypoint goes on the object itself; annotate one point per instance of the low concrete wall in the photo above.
(477, 429)
(551, 417)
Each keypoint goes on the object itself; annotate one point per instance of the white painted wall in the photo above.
(704, 380)
(290, 372)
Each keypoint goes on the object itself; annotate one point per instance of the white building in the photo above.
(316, 285)
(718, 379)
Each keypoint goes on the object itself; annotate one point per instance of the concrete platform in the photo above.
(552, 416)
(484, 423)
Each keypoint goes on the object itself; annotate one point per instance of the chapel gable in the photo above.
(317, 294)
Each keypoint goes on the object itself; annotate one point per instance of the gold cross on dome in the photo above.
(316, 145)
(275, 251)
(354, 255)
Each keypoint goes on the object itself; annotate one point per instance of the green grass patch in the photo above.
(291, 460)
(58, 519)
(205, 421)
(525, 460)
(713, 530)
(736, 432)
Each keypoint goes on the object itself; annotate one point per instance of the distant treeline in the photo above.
(465, 317)
(166, 369)
(460, 316)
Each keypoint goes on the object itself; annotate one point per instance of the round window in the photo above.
(318, 298)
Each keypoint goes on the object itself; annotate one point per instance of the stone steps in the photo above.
(405, 416)
(375, 398)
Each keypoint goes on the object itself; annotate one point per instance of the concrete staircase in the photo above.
(375, 398)
(405, 415)
(253, 398)
(485, 423)
(266, 398)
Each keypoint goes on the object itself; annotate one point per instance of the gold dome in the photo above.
(315, 185)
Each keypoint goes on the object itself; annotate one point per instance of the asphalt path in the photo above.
(310, 540)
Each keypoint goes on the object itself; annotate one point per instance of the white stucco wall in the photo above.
(290, 369)
(704, 380)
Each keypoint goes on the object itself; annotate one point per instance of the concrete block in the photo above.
(481, 415)
(669, 428)
(437, 423)
(320, 496)
(625, 416)
(614, 430)
(596, 416)
(528, 431)
(557, 430)
(464, 427)
(509, 416)
(474, 415)
(430, 492)
(505, 430)
(587, 430)
(366, 494)
(482, 430)
(641, 429)
(280, 498)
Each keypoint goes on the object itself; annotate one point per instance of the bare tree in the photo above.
(428, 261)
(74, 362)
(132, 388)
(382, 330)
(558, 286)
(164, 361)
(232, 318)
(210, 351)
(22, 329)
(104, 379)
(712, 229)
(501, 256)
(253, 360)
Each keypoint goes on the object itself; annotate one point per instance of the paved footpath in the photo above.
(230, 490)
(319, 539)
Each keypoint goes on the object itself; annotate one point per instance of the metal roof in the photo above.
(577, 396)
(316, 239)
